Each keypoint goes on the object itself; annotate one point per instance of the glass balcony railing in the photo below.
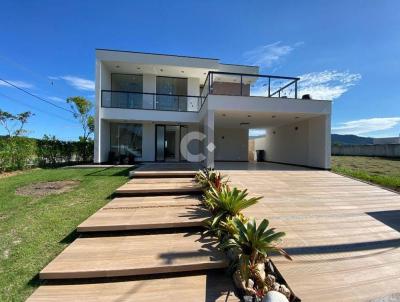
(236, 84)
(150, 101)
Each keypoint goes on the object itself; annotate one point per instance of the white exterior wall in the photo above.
(231, 144)
(148, 142)
(309, 145)
(149, 86)
(193, 87)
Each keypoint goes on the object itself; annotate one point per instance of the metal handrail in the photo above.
(154, 100)
(211, 74)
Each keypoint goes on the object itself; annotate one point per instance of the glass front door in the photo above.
(168, 140)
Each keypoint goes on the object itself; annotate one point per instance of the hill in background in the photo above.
(349, 139)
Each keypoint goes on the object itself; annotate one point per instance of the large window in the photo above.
(127, 83)
(126, 140)
(174, 92)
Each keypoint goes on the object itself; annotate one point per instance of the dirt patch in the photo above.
(47, 188)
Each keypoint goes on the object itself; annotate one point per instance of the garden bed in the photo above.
(246, 244)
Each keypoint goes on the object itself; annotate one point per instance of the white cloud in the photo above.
(79, 83)
(56, 99)
(267, 55)
(328, 84)
(366, 125)
(20, 84)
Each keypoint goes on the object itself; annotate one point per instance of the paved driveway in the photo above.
(343, 234)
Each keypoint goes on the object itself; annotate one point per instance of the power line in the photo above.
(34, 108)
(35, 96)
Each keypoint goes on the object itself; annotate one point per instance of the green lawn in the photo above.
(381, 171)
(33, 230)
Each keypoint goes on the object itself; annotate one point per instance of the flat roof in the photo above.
(172, 55)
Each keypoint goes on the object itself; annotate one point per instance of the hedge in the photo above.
(17, 153)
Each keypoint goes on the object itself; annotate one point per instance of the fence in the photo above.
(386, 150)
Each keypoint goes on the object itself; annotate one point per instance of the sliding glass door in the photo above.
(168, 140)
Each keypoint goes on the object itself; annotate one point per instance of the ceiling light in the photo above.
(117, 66)
(138, 68)
(244, 124)
(249, 115)
(182, 71)
(205, 73)
(274, 116)
(296, 117)
(223, 114)
(161, 70)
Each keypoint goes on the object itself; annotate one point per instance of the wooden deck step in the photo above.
(141, 213)
(177, 173)
(210, 287)
(134, 255)
(157, 187)
(160, 180)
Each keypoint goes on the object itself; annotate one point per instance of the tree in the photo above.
(14, 123)
(82, 108)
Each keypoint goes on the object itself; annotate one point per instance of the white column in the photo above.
(209, 140)
(149, 86)
(97, 129)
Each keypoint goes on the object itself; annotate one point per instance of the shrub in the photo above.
(16, 153)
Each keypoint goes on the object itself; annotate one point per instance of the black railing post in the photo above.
(269, 87)
(209, 82)
(295, 89)
(241, 85)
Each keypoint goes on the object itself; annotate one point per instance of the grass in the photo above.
(381, 171)
(33, 230)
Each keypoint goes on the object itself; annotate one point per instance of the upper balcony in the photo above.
(239, 84)
(171, 93)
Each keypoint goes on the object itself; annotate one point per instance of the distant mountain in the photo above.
(348, 139)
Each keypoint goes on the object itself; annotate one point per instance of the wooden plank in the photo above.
(162, 180)
(145, 174)
(127, 214)
(210, 287)
(155, 188)
(134, 255)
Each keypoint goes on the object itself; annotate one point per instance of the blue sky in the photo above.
(345, 50)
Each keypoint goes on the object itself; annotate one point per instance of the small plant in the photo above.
(208, 178)
(253, 244)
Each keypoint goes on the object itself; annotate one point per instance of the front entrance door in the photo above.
(168, 140)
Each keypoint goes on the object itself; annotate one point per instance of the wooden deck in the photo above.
(138, 213)
(130, 255)
(341, 233)
(212, 287)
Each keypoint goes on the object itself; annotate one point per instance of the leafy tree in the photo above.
(82, 112)
(14, 123)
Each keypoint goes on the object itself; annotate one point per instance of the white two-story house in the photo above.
(158, 107)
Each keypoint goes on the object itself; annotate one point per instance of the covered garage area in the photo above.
(297, 131)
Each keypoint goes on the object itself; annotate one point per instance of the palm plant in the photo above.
(253, 245)
(227, 203)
